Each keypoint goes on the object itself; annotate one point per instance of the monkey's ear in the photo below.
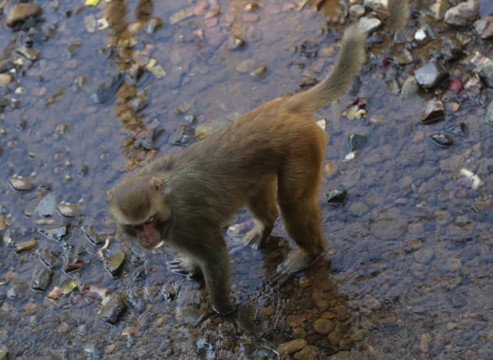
(109, 195)
(156, 184)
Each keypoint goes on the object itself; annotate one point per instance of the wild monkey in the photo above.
(277, 149)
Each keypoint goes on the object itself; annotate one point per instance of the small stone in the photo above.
(21, 184)
(115, 263)
(236, 42)
(335, 336)
(458, 129)
(442, 140)
(424, 255)
(438, 9)
(403, 57)
(46, 206)
(485, 73)
(28, 53)
(356, 11)
(25, 246)
(462, 15)
(114, 309)
(54, 233)
(306, 83)
(246, 66)
(308, 353)
(250, 6)
(17, 291)
(50, 259)
(484, 27)
(291, 347)
(451, 50)
(41, 280)
(335, 197)
(431, 74)
(19, 13)
(258, 71)
(424, 344)
(323, 326)
(185, 135)
(473, 86)
(410, 89)
(70, 265)
(488, 117)
(356, 141)
(434, 111)
(369, 24)
(105, 91)
(68, 210)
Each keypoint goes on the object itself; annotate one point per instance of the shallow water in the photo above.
(407, 269)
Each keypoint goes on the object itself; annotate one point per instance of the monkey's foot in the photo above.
(256, 237)
(296, 261)
(182, 266)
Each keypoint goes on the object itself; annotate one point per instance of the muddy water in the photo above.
(407, 269)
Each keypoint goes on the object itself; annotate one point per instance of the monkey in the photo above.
(269, 157)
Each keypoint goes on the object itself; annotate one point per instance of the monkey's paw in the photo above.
(184, 267)
(296, 261)
(254, 238)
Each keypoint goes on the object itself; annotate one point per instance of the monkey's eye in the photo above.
(150, 220)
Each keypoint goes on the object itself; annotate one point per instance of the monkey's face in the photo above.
(139, 208)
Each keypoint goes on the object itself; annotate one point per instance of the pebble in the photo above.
(335, 336)
(424, 255)
(438, 9)
(434, 111)
(291, 347)
(50, 259)
(463, 14)
(410, 89)
(403, 57)
(308, 353)
(54, 233)
(105, 91)
(41, 280)
(442, 140)
(485, 73)
(19, 13)
(21, 184)
(115, 263)
(236, 42)
(369, 24)
(335, 196)
(68, 210)
(484, 27)
(258, 71)
(46, 206)
(356, 141)
(431, 74)
(323, 326)
(17, 291)
(114, 309)
(25, 246)
(488, 117)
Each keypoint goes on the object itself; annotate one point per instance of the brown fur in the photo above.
(273, 151)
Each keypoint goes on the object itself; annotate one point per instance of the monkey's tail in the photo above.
(348, 64)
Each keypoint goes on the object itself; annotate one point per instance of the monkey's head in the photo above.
(138, 205)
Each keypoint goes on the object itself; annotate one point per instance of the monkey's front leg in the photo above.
(216, 269)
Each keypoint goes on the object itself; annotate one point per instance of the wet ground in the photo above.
(407, 269)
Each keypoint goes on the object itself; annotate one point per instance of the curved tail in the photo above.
(348, 64)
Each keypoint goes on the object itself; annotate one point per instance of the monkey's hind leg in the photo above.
(184, 266)
(263, 207)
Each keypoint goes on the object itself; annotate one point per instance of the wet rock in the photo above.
(390, 225)
(41, 280)
(291, 347)
(68, 210)
(473, 86)
(452, 49)
(356, 142)
(138, 103)
(250, 6)
(133, 74)
(335, 336)
(152, 25)
(25, 246)
(442, 140)
(246, 66)
(17, 291)
(105, 91)
(488, 117)
(335, 197)
(434, 111)
(484, 27)
(115, 263)
(369, 24)
(190, 118)
(46, 206)
(55, 233)
(403, 57)
(458, 129)
(306, 83)
(114, 309)
(19, 13)
(50, 258)
(258, 71)
(438, 9)
(4, 352)
(236, 42)
(323, 326)
(424, 255)
(431, 74)
(185, 135)
(462, 15)
(21, 184)
(357, 11)
(71, 264)
(148, 138)
(28, 53)
(308, 353)
(485, 73)
(410, 89)
(93, 236)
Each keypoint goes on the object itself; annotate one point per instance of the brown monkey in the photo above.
(276, 150)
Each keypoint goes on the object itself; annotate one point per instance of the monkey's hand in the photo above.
(296, 261)
(183, 266)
